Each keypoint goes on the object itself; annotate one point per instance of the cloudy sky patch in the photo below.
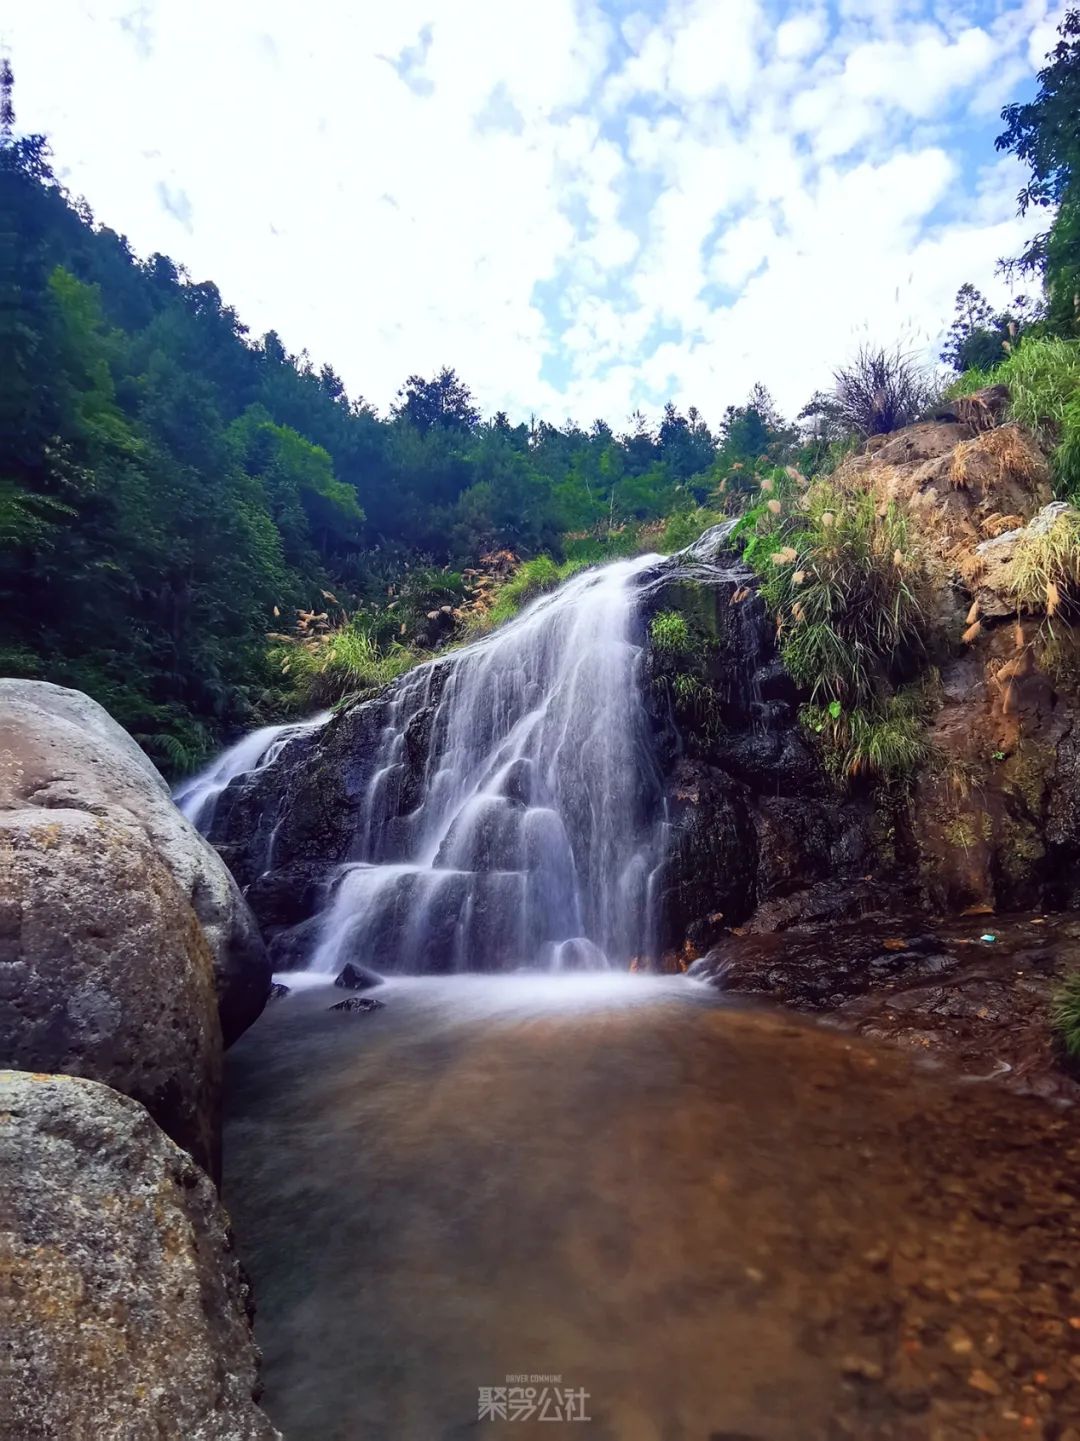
(585, 206)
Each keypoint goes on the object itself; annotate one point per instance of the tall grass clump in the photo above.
(683, 528)
(325, 663)
(846, 589)
(1045, 571)
(531, 579)
(1065, 1015)
(887, 740)
(1042, 375)
(880, 391)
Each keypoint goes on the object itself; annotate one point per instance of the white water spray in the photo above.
(197, 798)
(512, 813)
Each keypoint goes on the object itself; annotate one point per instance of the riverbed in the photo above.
(693, 1219)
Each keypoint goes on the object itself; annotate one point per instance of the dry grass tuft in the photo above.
(1045, 570)
(990, 457)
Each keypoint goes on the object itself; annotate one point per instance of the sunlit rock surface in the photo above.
(61, 753)
(131, 1316)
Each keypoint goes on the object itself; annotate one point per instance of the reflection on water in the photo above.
(699, 1216)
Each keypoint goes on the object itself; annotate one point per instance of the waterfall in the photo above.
(533, 839)
(506, 807)
(197, 797)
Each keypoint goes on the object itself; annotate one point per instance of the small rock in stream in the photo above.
(357, 978)
(358, 1003)
(278, 989)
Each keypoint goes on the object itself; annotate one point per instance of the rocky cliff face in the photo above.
(993, 821)
(757, 828)
(759, 833)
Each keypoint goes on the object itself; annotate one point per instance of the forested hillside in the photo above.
(175, 489)
(192, 519)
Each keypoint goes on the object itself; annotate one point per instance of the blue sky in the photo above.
(585, 206)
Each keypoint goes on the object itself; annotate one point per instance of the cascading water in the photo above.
(197, 798)
(505, 805)
(535, 833)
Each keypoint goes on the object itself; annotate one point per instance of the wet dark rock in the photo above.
(283, 897)
(712, 855)
(292, 949)
(775, 761)
(935, 988)
(358, 1003)
(279, 989)
(356, 978)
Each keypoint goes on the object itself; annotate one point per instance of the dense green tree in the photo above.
(1044, 133)
(977, 337)
(444, 402)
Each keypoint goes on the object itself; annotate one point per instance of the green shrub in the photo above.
(683, 528)
(532, 578)
(614, 544)
(332, 665)
(1065, 1015)
(1043, 378)
(888, 741)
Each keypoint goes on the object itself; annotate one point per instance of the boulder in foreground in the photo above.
(133, 1316)
(62, 752)
(107, 973)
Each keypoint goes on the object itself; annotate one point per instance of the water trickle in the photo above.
(197, 798)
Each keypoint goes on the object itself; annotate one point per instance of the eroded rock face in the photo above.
(106, 972)
(998, 824)
(61, 753)
(133, 1316)
(958, 482)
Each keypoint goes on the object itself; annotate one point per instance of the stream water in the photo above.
(720, 1225)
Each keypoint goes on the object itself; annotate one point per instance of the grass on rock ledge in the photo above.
(1043, 379)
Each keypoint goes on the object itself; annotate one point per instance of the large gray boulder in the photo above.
(105, 971)
(61, 752)
(132, 1315)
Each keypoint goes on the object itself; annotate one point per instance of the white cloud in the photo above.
(523, 190)
(801, 35)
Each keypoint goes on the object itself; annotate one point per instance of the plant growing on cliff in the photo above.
(880, 391)
(670, 635)
(1045, 571)
(1065, 1015)
(1042, 376)
(679, 653)
(846, 589)
(326, 663)
(886, 741)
